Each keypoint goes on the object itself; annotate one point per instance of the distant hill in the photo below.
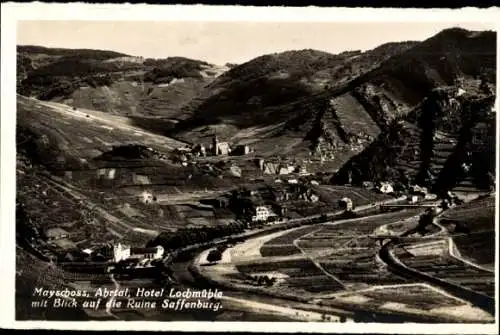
(111, 81)
(302, 102)
(85, 53)
(41, 61)
(281, 78)
(309, 101)
(284, 102)
(450, 81)
(438, 61)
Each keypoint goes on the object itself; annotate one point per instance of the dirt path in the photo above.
(312, 259)
(350, 190)
(116, 222)
(250, 249)
(112, 298)
(298, 314)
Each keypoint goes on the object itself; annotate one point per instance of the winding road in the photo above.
(249, 300)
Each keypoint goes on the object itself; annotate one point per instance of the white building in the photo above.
(385, 187)
(303, 171)
(220, 148)
(146, 197)
(347, 204)
(430, 196)
(283, 170)
(313, 198)
(123, 252)
(418, 190)
(262, 213)
(235, 170)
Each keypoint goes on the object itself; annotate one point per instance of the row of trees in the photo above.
(263, 280)
(49, 86)
(191, 236)
(75, 53)
(164, 74)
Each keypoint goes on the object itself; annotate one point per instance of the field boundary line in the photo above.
(316, 263)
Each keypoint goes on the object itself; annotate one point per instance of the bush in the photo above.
(214, 256)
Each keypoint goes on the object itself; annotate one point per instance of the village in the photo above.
(283, 194)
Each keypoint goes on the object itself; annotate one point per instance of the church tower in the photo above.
(215, 144)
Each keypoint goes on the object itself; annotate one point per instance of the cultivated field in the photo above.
(477, 247)
(317, 260)
(413, 299)
(337, 264)
(347, 251)
(81, 135)
(359, 196)
(473, 227)
(443, 266)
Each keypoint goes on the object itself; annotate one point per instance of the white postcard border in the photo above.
(13, 12)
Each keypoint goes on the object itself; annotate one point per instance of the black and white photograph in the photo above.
(236, 170)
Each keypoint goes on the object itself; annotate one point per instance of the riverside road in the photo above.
(251, 302)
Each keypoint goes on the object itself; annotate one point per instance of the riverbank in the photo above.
(220, 274)
(217, 276)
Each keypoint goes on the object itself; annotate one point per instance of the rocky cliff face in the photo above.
(433, 146)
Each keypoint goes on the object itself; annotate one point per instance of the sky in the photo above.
(222, 42)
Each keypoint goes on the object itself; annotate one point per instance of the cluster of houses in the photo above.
(216, 148)
(416, 192)
(269, 203)
(384, 187)
(280, 168)
(71, 251)
(122, 252)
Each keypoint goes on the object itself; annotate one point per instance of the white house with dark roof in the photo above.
(123, 252)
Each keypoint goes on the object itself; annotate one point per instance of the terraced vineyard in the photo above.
(80, 136)
(347, 252)
(350, 113)
(296, 274)
(411, 155)
(313, 284)
(477, 215)
(473, 227)
(343, 251)
(411, 296)
(451, 270)
(283, 245)
(415, 296)
(478, 247)
(278, 250)
(291, 268)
